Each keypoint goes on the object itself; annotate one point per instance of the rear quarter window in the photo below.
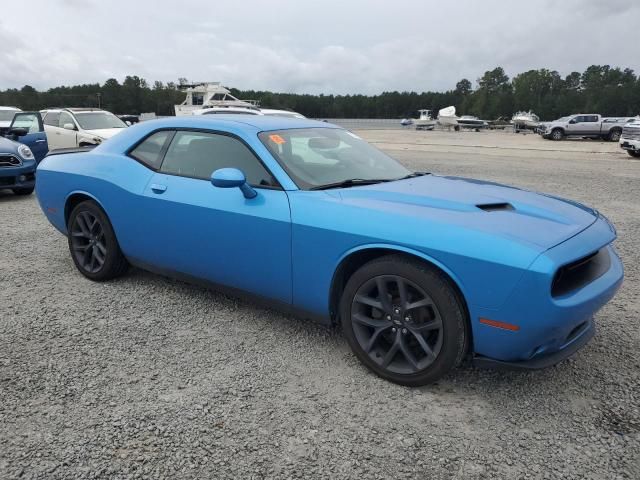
(151, 150)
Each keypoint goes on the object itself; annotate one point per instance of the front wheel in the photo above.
(634, 153)
(93, 244)
(557, 134)
(404, 321)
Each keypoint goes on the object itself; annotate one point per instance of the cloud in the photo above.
(360, 46)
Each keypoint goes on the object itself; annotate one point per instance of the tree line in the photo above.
(611, 91)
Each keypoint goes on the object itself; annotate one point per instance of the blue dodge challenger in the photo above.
(420, 270)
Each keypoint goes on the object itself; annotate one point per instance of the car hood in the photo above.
(8, 146)
(529, 217)
(105, 132)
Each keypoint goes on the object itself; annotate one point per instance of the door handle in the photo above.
(157, 188)
(40, 141)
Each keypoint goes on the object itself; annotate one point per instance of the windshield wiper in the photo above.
(352, 182)
(413, 175)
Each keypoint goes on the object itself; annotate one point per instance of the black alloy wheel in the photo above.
(88, 242)
(93, 244)
(397, 324)
(404, 320)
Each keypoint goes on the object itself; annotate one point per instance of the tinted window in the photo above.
(149, 152)
(592, 118)
(579, 119)
(64, 119)
(198, 155)
(52, 119)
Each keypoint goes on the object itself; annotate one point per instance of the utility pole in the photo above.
(99, 95)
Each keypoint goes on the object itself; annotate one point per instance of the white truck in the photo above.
(630, 138)
(585, 126)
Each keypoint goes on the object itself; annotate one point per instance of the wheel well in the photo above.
(353, 262)
(72, 201)
(558, 128)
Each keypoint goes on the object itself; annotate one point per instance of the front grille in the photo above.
(629, 133)
(577, 274)
(9, 161)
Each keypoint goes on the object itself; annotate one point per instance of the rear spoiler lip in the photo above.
(63, 151)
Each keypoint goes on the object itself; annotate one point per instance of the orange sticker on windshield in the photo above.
(277, 139)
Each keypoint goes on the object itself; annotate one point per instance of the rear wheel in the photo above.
(23, 191)
(614, 135)
(404, 320)
(93, 244)
(557, 134)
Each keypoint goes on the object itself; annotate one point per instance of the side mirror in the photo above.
(69, 126)
(19, 132)
(232, 178)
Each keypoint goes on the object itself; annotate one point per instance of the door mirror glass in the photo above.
(232, 178)
(69, 126)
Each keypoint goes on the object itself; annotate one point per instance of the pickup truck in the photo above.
(585, 126)
(630, 138)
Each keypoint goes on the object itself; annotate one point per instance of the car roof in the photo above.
(258, 122)
(10, 108)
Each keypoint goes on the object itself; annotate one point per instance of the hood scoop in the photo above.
(495, 207)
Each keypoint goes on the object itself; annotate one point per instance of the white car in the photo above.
(630, 138)
(247, 111)
(79, 127)
(6, 116)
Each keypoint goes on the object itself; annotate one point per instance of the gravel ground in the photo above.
(146, 377)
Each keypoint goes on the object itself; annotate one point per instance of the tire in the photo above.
(614, 135)
(23, 191)
(634, 153)
(380, 332)
(93, 245)
(557, 134)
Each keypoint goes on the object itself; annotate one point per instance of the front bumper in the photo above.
(581, 338)
(23, 176)
(549, 328)
(627, 144)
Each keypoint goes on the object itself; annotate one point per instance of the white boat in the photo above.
(447, 117)
(472, 123)
(424, 121)
(200, 96)
(525, 121)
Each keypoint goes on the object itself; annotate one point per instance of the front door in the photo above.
(35, 138)
(216, 233)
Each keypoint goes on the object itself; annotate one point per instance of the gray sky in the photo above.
(310, 46)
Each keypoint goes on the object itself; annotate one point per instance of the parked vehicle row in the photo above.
(80, 127)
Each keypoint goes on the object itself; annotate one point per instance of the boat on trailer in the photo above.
(203, 95)
(424, 121)
(525, 121)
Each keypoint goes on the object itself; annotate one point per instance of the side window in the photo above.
(26, 120)
(593, 118)
(52, 119)
(149, 152)
(64, 119)
(579, 119)
(198, 155)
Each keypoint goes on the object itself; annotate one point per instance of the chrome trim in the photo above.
(10, 160)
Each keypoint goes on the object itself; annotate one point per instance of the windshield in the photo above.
(314, 157)
(98, 120)
(7, 115)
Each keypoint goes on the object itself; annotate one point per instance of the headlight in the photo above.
(25, 152)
